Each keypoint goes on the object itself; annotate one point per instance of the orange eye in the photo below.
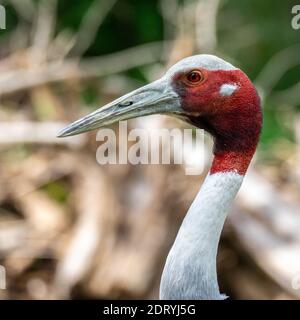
(194, 77)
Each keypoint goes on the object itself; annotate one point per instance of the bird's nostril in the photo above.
(125, 104)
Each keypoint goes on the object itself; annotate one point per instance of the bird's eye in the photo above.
(194, 77)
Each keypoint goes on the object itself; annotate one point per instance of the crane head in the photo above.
(203, 90)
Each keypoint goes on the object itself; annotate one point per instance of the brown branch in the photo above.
(36, 132)
(22, 79)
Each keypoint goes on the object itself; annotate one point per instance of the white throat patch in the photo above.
(228, 89)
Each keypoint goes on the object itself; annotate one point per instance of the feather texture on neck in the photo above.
(190, 269)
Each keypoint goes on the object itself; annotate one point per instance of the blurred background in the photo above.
(70, 228)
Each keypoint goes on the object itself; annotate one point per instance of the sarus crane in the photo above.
(211, 94)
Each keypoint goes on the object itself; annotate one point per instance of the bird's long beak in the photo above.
(155, 98)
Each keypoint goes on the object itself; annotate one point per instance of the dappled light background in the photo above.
(71, 228)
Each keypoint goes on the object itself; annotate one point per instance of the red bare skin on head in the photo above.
(234, 121)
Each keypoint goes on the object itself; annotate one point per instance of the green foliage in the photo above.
(129, 23)
(57, 191)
